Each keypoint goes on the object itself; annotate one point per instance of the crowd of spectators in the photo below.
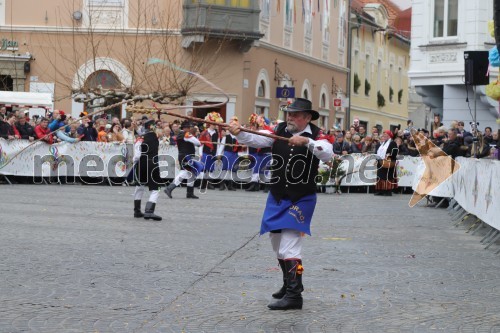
(474, 143)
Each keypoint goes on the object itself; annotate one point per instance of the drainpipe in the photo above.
(350, 28)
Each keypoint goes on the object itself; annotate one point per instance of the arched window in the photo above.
(305, 94)
(262, 89)
(323, 101)
(104, 79)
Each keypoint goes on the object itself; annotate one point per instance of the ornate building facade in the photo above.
(442, 30)
(379, 64)
(256, 51)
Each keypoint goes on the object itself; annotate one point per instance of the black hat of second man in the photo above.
(302, 105)
(186, 123)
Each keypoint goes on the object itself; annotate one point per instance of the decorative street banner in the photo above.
(477, 188)
(84, 159)
(361, 170)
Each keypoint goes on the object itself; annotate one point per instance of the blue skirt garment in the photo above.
(229, 161)
(209, 162)
(259, 163)
(287, 215)
(193, 165)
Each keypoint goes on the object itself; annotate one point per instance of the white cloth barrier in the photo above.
(96, 159)
(84, 159)
(361, 170)
(477, 188)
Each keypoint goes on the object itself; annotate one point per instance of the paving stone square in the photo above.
(73, 259)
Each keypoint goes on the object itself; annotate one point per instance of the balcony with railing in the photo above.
(225, 19)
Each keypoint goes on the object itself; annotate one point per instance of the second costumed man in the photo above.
(190, 168)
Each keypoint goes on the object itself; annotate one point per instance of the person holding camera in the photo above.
(86, 130)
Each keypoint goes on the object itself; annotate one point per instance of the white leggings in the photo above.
(184, 174)
(287, 244)
(139, 192)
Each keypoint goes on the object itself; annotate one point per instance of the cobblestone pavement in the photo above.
(72, 259)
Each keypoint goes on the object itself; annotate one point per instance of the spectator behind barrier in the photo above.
(8, 129)
(26, 131)
(86, 130)
(42, 131)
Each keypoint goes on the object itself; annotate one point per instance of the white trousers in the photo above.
(184, 174)
(139, 192)
(287, 244)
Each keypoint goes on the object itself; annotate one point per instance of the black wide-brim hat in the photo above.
(148, 123)
(186, 123)
(302, 105)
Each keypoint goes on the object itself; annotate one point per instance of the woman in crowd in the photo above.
(348, 138)
(402, 148)
(356, 146)
(368, 146)
(116, 135)
(387, 153)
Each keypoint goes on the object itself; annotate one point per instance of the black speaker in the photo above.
(476, 68)
(27, 67)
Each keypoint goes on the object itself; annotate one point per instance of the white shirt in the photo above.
(382, 150)
(322, 149)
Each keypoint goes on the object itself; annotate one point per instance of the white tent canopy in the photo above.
(26, 99)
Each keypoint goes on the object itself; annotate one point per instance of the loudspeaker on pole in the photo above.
(476, 68)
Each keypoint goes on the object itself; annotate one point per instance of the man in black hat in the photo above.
(147, 172)
(190, 168)
(290, 204)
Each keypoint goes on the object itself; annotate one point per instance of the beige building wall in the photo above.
(65, 53)
(384, 63)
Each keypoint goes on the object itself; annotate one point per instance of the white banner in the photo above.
(477, 188)
(361, 170)
(84, 159)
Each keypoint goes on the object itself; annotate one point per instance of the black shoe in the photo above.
(280, 293)
(222, 186)
(254, 187)
(149, 212)
(388, 194)
(379, 193)
(168, 190)
(229, 185)
(293, 295)
(190, 193)
(266, 188)
(137, 209)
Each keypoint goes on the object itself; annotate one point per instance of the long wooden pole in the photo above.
(223, 125)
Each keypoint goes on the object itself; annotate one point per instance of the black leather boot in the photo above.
(149, 212)
(229, 185)
(293, 295)
(254, 187)
(280, 293)
(190, 193)
(222, 185)
(137, 209)
(205, 184)
(168, 190)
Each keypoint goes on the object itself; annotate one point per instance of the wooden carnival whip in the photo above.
(223, 125)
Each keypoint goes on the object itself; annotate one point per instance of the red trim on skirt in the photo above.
(386, 185)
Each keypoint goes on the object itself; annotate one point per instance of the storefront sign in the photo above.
(10, 45)
(285, 92)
